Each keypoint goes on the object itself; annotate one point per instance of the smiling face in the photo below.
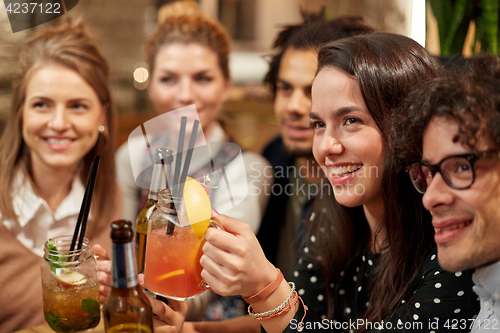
(188, 74)
(61, 116)
(467, 222)
(347, 143)
(292, 102)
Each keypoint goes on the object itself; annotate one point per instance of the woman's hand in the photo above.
(233, 261)
(170, 317)
(103, 272)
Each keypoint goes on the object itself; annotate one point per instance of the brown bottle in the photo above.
(127, 308)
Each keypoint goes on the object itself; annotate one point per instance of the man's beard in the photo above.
(297, 152)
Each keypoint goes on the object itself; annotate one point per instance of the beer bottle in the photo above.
(162, 163)
(127, 308)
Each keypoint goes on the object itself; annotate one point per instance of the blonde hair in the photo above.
(182, 22)
(68, 44)
(177, 8)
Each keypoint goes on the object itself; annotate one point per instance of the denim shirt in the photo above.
(487, 286)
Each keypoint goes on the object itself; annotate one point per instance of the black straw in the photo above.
(189, 154)
(178, 161)
(179, 189)
(80, 214)
(89, 202)
(81, 222)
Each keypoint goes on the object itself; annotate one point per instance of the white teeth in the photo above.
(344, 170)
(55, 141)
(453, 227)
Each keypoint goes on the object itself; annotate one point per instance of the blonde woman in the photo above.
(188, 59)
(61, 118)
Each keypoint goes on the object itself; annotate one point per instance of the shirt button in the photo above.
(486, 305)
(496, 295)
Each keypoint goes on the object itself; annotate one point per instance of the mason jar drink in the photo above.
(69, 286)
(172, 266)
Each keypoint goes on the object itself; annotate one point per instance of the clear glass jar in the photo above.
(173, 251)
(69, 286)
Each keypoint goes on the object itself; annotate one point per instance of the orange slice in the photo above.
(170, 274)
(198, 208)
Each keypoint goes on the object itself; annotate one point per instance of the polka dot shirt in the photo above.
(441, 299)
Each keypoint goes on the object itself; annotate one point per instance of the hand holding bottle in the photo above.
(170, 317)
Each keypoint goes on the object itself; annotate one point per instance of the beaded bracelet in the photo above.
(284, 310)
(268, 290)
(275, 310)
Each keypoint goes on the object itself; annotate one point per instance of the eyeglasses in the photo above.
(457, 171)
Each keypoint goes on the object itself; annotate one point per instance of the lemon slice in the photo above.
(69, 278)
(170, 274)
(198, 208)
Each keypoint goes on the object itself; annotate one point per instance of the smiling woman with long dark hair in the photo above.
(368, 253)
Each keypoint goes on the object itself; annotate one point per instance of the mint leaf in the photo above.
(57, 323)
(60, 324)
(54, 257)
(90, 305)
(93, 308)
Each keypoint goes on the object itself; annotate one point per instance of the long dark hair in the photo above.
(386, 66)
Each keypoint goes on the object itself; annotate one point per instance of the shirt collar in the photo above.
(26, 203)
(73, 201)
(488, 278)
(139, 153)
(217, 134)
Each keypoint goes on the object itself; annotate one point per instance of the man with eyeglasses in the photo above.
(453, 138)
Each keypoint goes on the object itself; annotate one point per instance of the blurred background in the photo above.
(120, 28)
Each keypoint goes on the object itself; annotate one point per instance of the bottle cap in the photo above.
(163, 154)
(121, 231)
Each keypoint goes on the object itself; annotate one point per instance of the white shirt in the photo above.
(36, 222)
(248, 176)
(487, 280)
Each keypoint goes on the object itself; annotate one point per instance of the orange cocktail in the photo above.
(172, 268)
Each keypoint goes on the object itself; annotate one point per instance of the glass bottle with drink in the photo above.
(69, 286)
(127, 308)
(162, 164)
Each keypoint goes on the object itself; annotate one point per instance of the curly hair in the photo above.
(471, 99)
(311, 35)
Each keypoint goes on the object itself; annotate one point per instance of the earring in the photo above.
(102, 128)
